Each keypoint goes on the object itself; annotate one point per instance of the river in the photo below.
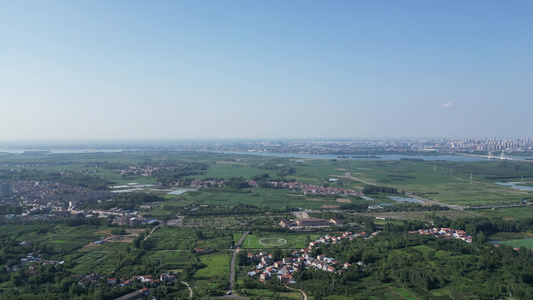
(349, 157)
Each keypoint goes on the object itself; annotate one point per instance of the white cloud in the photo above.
(447, 105)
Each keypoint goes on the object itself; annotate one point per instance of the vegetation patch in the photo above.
(272, 241)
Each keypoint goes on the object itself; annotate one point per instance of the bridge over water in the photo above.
(501, 157)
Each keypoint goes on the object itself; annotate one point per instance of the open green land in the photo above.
(514, 213)
(447, 182)
(398, 266)
(527, 243)
(276, 240)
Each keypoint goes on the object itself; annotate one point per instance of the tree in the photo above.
(199, 234)
(241, 258)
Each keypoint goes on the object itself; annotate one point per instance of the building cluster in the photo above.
(446, 233)
(53, 200)
(207, 183)
(309, 189)
(132, 218)
(310, 222)
(39, 194)
(266, 268)
(312, 189)
(6, 190)
(365, 146)
(147, 170)
(145, 280)
(31, 262)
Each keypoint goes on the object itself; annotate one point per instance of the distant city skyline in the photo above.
(184, 70)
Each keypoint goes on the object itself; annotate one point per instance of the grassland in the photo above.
(447, 182)
(292, 241)
(171, 248)
(506, 213)
(527, 243)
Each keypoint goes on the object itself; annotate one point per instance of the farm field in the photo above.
(274, 198)
(216, 217)
(527, 243)
(447, 182)
(276, 240)
(508, 213)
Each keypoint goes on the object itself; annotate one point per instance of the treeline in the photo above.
(422, 264)
(107, 165)
(413, 207)
(10, 209)
(487, 226)
(283, 170)
(127, 201)
(240, 208)
(374, 189)
(165, 177)
(92, 182)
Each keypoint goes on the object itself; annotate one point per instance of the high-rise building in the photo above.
(6, 189)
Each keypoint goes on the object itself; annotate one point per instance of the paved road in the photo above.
(232, 266)
(349, 176)
(456, 207)
(146, 237)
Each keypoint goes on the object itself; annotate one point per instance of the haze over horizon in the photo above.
(121, 70)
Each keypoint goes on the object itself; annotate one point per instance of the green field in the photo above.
(287, 241)
(209, 220)
(448, 182)
(507, 212)
(527, 243)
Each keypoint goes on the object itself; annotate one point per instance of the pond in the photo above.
(180, 191)
(405, 199)
(515, 185)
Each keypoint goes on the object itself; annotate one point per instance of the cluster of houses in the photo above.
(207, 183)
(312, 189)
(133, 219)
(147, 280)
(147, 171)
(446, 233)
(309, 189)
(51, 200)
(54, 194)
(266, 268)
(31, 262)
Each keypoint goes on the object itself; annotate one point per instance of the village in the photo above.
(266, 268)
(445, 233)
(309, 189)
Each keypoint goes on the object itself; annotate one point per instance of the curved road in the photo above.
(456, 207)
(303, 293)
(189, 287)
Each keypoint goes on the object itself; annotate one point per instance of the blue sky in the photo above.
(265, 69)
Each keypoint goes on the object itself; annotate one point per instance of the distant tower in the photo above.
(6, 190)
